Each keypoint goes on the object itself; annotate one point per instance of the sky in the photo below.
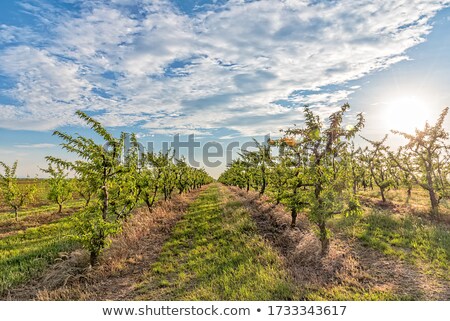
(224, 70)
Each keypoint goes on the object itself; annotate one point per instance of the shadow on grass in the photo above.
(215, 254)
(351, 271)
(409, 238)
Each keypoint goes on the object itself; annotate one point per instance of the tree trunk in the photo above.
(293, 217)
(105, 202)
(16, 214)
(263, 187)
(60, 208)
(408, 193)
(93, 258)
(433, 199)
(149, 205)
(434, 203)
(155, 192)
(383, 197)
(324, 240)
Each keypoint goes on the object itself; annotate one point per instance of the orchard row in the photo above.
(321, 170)
(111, 182)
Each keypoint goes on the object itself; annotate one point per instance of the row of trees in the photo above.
(112, 181)
(14, 194)
(319, 169)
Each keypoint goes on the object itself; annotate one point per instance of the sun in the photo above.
(406, 113)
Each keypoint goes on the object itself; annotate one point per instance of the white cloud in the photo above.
(48, 90)
(12, 34)
(231, 64)
(42, 145)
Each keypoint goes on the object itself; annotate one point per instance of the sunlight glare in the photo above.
(406, 114)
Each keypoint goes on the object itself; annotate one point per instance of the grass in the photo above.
(27, 253)
(347, 272)
(32, 211)
(409, 238)
(418, 196)
(215, 253)
(347, 293)
(419, 201)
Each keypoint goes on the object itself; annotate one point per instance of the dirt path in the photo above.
(121, 266)
(350, 271)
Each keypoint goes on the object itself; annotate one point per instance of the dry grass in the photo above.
(349, 272)
(216, 253)
(121, 265)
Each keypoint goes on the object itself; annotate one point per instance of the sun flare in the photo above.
(406, 113)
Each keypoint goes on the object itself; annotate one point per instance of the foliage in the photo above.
(60, 188)
(257, 163)
(378, 162)
(239, 173)
(92, 230)
(118, 180)
(325, 167)
(315, 164)
(103, 165)
(15, 195)
(85, 186)
(428, 152)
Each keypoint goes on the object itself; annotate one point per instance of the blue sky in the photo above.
(224, 70)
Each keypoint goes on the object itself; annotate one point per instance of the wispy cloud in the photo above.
(237, 64)
(39, 146)
(15, 35)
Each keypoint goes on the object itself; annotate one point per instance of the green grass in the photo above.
(419, 202)
(31, 211)
(409, 238)
(347, 293)
(27, 253)
(419, 196)
(215, 253)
